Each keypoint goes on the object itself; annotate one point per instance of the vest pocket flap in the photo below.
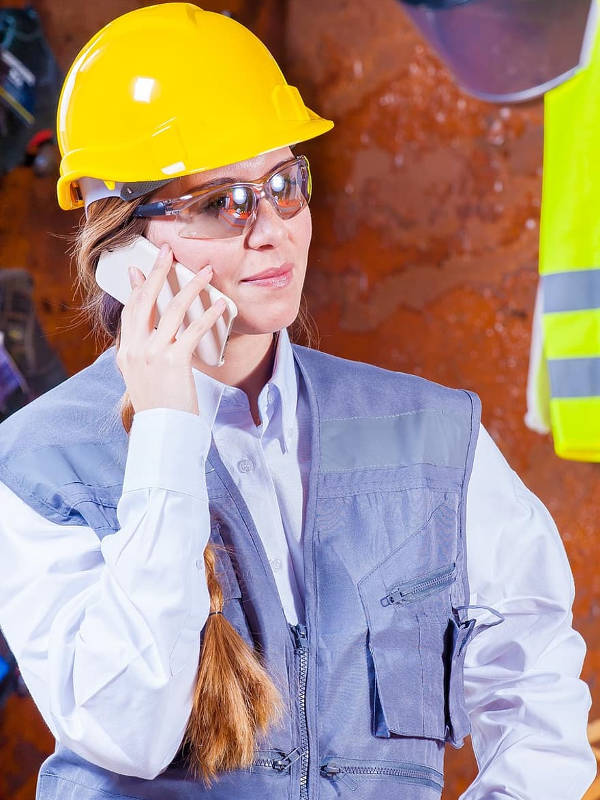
(411, 641)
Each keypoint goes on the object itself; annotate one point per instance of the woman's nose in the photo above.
(268, 228)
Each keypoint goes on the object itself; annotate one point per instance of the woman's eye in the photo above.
(216, 204)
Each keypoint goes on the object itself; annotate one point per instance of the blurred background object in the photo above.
(29, 366)
(507, 51)
(424, 258)
(30, 83)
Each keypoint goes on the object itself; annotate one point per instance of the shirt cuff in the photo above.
(167, 450)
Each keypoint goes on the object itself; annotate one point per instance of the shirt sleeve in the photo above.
(107, 633)
(527, 704)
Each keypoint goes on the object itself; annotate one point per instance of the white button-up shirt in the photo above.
(107, 633)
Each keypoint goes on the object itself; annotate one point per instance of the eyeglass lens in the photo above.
(227, 211)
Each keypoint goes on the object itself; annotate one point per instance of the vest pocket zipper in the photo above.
(282, 762)
(338, 769)
(414, 590)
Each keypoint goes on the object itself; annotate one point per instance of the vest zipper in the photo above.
(412, 590)
(301, 638)
(338, 770)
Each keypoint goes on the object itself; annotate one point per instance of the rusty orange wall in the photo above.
(424, 252)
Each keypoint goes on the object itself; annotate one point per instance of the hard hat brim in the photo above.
(129, 169)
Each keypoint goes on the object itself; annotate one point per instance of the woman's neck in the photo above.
(249, 360)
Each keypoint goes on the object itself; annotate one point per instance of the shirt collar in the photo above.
(210, 391)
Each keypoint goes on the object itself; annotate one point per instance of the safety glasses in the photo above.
(229, 209)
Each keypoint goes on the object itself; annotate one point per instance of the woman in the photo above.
(261, 579)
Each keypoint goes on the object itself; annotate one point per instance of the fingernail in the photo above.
(164, 249)
(132, 274)
(221, 303)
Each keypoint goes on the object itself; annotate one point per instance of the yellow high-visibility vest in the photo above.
(570, 260)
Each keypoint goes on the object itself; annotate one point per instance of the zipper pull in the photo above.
(331, 770)
(301, 636)
(392, 597)
(286, 761)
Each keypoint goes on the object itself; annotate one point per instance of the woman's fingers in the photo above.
(189, 339)
(136, 277)
(178, 306)
(158, 273)
(156, 366)
(143, 301)
(139, 313)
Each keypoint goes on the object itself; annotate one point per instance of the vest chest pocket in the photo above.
(415, 639)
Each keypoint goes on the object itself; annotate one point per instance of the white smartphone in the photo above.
(112, 275)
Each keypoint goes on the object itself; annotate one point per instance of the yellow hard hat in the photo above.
(170, 90)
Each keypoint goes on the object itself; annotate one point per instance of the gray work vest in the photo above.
(374, 680)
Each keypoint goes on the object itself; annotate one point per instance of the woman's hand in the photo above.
(157, 368)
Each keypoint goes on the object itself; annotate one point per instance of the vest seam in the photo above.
(51, 445)
(469, 456)
(462, 540)
(375, 490)
(400, 546)
(65, 517)
(387, 466)
(91, 485)
(106, 793)
(18, 481)
(414, 412)
(96, 502)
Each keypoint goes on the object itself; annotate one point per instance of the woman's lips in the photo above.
(277, 278)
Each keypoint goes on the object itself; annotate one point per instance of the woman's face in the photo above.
(270, 243)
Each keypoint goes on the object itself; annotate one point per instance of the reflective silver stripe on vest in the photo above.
(574, 377)
(571, 291)
(396, 441)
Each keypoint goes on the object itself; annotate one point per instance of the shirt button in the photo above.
(276, 563)
(245, 465)
(271, 395)
(199, 563)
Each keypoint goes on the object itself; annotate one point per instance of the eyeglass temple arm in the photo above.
(158, 209)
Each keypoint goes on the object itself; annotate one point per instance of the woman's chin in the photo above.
(266, 323)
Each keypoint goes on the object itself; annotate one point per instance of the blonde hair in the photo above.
(234, 697)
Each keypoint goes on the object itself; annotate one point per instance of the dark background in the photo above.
(424, 255)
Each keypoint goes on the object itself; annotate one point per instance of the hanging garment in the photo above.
(564, 379)
(508, 51)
